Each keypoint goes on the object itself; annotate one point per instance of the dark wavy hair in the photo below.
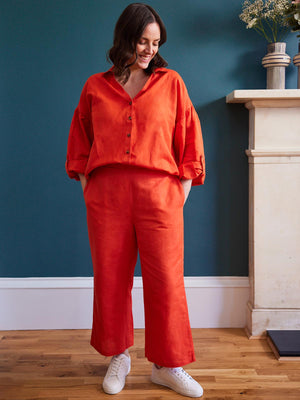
(128, 30)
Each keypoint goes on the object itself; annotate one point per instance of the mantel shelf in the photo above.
(244, 96)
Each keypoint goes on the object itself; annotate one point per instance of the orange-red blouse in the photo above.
(157, 129)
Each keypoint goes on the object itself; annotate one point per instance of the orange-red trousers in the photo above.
(131, 209)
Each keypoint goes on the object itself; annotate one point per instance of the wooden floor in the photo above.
(61, 365)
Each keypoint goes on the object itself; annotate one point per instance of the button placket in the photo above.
(128, 134)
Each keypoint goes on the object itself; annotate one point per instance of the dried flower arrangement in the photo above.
(267, 17)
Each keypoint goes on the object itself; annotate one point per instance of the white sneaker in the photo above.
(177, 379)
(118, 369)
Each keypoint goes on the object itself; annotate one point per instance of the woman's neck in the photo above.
(137, 74)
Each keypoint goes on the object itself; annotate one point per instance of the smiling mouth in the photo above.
(145, 58)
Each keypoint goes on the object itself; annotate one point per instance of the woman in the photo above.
(136, 145)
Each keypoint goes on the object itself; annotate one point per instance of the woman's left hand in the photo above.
(186, 184)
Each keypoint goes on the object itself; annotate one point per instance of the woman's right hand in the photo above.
(83, 181)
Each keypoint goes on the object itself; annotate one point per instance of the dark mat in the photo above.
(287, 343)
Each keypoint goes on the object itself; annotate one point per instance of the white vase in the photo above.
(296, 61)
(276, 61)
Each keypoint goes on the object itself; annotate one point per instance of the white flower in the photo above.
(252, 23)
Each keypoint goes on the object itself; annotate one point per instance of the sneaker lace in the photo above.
(182, 374)
(115, 365)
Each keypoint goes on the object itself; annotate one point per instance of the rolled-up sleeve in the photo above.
(189, 147)
(80, 138)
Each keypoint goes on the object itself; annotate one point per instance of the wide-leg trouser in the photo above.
(130, 209)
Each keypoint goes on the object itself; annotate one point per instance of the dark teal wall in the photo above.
(48, 50)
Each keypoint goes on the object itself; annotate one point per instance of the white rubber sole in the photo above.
(182, 392)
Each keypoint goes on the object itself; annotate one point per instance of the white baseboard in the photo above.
(66, 303)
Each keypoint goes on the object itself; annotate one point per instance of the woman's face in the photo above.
(147, 46)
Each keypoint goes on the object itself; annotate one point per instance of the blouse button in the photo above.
(128, 135)
(127, 151)
(130, 103)
(129, 118)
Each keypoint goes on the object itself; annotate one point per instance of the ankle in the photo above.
(126, 352)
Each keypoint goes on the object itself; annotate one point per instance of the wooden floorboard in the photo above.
(61, 365)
